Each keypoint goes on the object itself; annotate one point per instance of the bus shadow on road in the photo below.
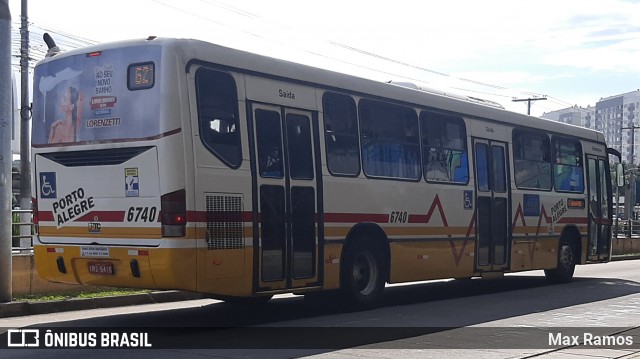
(451, 303)
(408, 311)
(473, 302)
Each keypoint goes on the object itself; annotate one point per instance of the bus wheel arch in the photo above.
(364, 266)
(569, 250)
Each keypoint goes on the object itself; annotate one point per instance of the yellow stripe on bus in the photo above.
(120, 232)
(125, 232)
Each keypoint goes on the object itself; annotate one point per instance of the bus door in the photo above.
(600, 208)
(492, 205)
(287, 198)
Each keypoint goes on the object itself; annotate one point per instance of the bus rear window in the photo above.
(89, 98)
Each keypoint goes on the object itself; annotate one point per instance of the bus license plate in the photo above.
(101, 268)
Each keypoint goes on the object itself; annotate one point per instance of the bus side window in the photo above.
(218, 122)
(269, 143)
(390, 146)
(567, 165)
(532, 160)
(444, 149)
(341, 134)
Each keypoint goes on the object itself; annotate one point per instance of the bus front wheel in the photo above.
(362, 276)
(563, 273)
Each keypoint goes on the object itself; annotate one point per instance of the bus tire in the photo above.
(563, 273)
(362, 275)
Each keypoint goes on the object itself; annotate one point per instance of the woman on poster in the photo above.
(65, 130)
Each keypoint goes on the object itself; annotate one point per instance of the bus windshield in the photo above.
(102, 96)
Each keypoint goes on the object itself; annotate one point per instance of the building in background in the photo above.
(609, 122)
(619, 116)
(574, 115)
(614, 116)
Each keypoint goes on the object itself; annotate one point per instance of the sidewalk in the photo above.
(14, 309)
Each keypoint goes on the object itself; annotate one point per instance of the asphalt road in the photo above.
(513, 317)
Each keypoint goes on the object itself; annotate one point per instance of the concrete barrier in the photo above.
(621, 246)
(26, 281)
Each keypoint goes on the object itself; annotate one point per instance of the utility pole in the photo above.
(529, 100)
(25, 116)
(5, 152)
(630, 195)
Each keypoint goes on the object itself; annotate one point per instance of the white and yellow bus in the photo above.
(179, 164)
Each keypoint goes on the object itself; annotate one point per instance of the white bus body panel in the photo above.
(106, 205)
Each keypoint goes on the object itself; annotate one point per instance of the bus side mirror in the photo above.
(620, 174)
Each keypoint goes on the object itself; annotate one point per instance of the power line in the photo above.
(70, 41)
(529, 100)
(253, 16)
(37, 47)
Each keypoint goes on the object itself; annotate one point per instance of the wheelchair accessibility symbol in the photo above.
(48, 185)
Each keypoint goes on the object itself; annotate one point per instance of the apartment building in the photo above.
(614, 116)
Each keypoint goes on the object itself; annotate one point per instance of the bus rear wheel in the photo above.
(362, 276)
(563, 273)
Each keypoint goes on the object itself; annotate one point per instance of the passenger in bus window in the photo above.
(569, 178)
(461, 171)
(564, 180)
(411, 147)
(436, 169)
(66, 129)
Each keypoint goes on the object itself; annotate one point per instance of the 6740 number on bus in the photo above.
(142, 214)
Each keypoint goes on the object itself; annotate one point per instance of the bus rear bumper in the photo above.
(132, 267)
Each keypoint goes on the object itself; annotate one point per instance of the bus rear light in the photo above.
(135, 252)
(173, 209)
(175, 219)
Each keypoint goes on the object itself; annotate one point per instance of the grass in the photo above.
(95, 293)
(15, 218)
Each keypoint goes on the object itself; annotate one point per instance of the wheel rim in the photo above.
(566, 257)
(365, 273)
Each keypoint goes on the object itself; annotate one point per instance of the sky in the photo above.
(574, 52)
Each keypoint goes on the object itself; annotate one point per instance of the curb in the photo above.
(14, 309)
(622, 257)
